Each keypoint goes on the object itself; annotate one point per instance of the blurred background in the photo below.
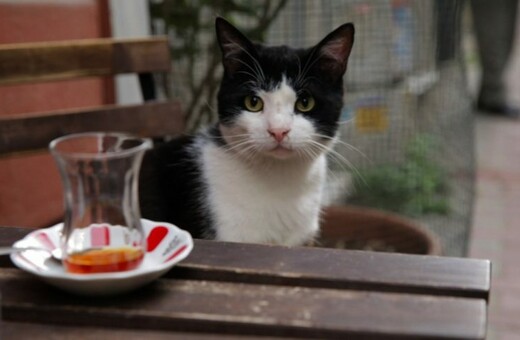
(406, 127)
(411, 145)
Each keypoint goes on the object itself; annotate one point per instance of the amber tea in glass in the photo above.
(102, 229)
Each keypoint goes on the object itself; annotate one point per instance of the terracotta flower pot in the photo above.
(353, 227)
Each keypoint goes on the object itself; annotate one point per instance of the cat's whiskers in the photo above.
(246, 149)
(237, 149)
(302, 73)
(238, 135)
(251, 75)
(252, 83)
(308, 80)
(310, 154)
(211, 108)
(337, 141)
(330, 172)
(308, 65)
(348, 121)
(208, 136)
(297, 81)
(236, 145)
(251, 155)
(259, 77)
(315, 152)
(256, 64)
(248, 154)
(335, 156)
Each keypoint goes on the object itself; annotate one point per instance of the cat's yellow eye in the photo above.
(305, 103)
(253, 103)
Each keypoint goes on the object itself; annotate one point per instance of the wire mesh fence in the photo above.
(407, 129)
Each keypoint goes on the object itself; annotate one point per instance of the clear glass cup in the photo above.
(102, 229)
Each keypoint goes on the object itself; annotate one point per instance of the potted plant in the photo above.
(361, 228)
(375, 217)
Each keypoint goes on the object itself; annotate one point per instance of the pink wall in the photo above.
(30, 188)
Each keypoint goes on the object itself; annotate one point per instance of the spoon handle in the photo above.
(9, 250)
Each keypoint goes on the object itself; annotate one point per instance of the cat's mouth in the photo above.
(281, 152)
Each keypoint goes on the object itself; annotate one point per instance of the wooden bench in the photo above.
(30, 173)
(232, 290)
(43, 62)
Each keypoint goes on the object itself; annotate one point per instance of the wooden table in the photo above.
(230, 290)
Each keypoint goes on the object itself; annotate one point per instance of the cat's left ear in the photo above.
(233, 44)
(333, 51)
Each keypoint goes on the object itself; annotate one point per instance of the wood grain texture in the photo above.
(50, 61)
(35, 131)
(333, 268)
(243, 290)
(24, 330)
(325, 268)
(249, 309)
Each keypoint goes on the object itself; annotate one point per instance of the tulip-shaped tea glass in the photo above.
(102, 229)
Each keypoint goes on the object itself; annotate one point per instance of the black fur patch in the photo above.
(171, 187)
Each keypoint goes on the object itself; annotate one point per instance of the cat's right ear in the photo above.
(234, 45)
(334, 51)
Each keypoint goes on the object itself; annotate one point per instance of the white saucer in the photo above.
(167, 245)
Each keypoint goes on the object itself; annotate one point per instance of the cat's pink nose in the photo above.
(278, 134)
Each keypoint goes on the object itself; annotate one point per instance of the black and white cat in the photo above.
(258, 174)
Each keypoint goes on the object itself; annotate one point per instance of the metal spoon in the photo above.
(55, 253)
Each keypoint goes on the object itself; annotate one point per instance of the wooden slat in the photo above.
(326, 268)
(236, 308)
(25, 330)
(35, 131)
(49, 61)
(317, 267)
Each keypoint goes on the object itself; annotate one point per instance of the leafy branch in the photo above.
(196, 57)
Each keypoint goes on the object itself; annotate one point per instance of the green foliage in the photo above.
(189, 25)
(416, 187)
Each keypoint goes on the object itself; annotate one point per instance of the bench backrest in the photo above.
(55, 61)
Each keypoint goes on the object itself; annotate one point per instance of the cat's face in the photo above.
(281, 102)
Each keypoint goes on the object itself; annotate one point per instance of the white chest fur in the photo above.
(278, 202)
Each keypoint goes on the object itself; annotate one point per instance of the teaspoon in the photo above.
(55, 253)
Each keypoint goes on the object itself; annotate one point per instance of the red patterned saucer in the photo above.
(166, 246)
